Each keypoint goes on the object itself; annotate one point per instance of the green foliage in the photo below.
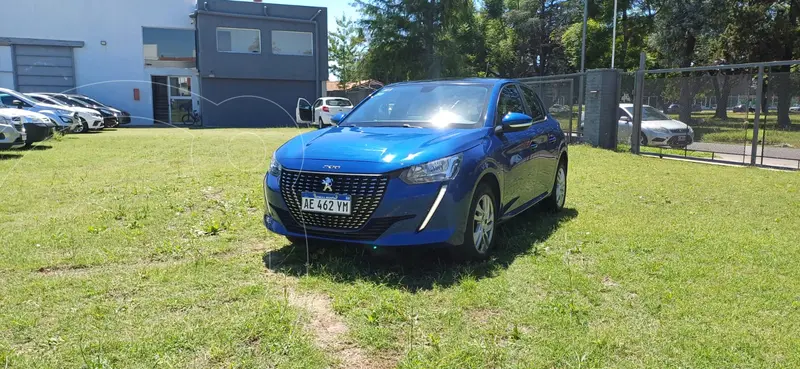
(346, 49)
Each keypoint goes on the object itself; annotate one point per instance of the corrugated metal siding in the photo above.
(44, 68)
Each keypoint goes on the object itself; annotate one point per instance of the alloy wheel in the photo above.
(561, 187)
(483, 224)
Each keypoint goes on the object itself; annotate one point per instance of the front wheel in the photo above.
(558, 195)
(480, 231)
(642, 139)
(83, 127)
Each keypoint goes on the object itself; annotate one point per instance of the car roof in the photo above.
(466, 81)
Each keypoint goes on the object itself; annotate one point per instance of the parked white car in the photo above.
(321, 112)
(64, 117)
(90, 119)
(38, 126)
(657, 128)
(12, 134)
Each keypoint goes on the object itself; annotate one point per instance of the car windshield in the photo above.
(649, 113)
(87, 100)
(47, 100)
(431, 105)
(76, 102)
(64, 100)
(339, 102)
(8, 97)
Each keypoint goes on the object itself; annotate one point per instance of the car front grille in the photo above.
(682, 130)
(366, 193)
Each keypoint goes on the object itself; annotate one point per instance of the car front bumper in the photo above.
(396, 221)
(37, 133)
(657, 138)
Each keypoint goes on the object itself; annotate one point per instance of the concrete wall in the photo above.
(111, 72)
(252, 103)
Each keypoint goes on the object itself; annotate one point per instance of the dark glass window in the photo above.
(165, 47)
(510, 102)
(537, 111)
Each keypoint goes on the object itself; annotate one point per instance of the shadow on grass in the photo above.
(9, 156)
(417, 268)
(38, 147)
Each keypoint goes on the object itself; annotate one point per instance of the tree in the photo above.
(346, 51)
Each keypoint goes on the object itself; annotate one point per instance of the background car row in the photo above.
(29, 118)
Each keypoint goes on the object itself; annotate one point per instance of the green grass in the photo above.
(144, 248)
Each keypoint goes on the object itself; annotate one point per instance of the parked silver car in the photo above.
(12, 134)
(657, 128)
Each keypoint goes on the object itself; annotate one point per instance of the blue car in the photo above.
(421, 163)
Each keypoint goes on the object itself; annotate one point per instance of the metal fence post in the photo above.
(571, 88)
(637, 106)
(756, 118)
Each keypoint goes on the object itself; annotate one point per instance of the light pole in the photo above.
(582, 78)
(614, 36)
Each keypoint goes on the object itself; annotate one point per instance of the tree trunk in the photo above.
(721, 92)
(687, 92)
(431, 59)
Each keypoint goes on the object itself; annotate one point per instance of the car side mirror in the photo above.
(514, 122)
(625, 119)
(17, 103)
(338, 118)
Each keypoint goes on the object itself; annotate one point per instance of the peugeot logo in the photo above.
(328, 183)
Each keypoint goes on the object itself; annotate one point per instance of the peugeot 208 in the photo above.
(418, 163)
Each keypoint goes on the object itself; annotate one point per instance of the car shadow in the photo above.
(38, 147)
(9, 156)
(416, 268)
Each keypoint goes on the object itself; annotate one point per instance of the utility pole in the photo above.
(614, 36)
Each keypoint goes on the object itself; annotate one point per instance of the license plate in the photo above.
(681, 138)
(327, 203)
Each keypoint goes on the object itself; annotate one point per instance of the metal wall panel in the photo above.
(44, 68)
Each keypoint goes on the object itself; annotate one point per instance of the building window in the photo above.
(292, 43)
(238, 40)
(169, 47)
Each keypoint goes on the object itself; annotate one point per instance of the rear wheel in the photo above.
(320, 123)
(480, 231)
(642, 139)
(558, 195)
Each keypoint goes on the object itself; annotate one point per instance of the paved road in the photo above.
(774, 156)
(775, 152)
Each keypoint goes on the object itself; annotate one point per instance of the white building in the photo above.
(147, 56)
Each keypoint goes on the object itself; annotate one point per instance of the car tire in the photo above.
(476, 247)
(558, 194)
(642, 139)
(83, 128)
(320, 123)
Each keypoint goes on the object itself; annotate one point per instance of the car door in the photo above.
(624, 126)
(316, 110)
(303, 113)
(516, 153)
(543, 144)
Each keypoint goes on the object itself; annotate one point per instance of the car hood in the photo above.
(393, 147)
(11, 113)
(668, 124)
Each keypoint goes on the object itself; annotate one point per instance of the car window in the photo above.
(534, 103)
(510, 102)
(317, 103)
(8, 100)
(622, 114)
(64, 100)
(339, 102)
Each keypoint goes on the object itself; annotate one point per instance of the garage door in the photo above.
(44, 68)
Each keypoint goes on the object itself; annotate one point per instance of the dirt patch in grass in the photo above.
(330, 332)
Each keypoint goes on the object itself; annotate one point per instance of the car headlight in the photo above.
(433, 171)
(66, 119)
(690, 129)
(106, 111)
(661, 130)
(63, 112)
(275, 168)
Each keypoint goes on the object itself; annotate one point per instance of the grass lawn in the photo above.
(144, 248)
